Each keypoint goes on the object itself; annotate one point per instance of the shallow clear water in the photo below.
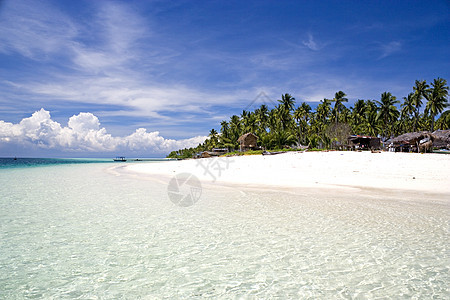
(24, 162)
(77, 231)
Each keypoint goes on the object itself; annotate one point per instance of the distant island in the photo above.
(330, 125)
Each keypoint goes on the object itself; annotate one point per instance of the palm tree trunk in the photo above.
(432, 122)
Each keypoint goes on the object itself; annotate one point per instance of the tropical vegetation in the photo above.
(289, 126)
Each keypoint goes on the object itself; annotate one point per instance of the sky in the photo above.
(143, 78)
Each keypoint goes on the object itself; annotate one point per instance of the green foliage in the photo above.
(329, 125)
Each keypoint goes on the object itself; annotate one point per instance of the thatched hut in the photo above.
(363, 142)
(247, 141)
(414, 141)
(442, 140)
(205, 154)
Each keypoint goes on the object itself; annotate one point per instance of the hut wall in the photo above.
(248, 141)
(375, 143)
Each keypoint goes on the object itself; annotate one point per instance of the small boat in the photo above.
(120, 158)
(272, 153)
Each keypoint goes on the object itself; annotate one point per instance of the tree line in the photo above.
(332, 122)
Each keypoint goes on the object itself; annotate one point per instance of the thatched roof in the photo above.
(245, 136)
(442, 138)
(443, 135)
(412, 137)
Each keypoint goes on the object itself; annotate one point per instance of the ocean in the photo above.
(86, 230)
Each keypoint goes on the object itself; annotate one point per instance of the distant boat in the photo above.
(272, 153)
(120, 158)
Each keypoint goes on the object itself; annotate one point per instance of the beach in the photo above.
(111, 230)
(425, 173)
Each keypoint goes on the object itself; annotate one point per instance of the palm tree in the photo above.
(302, 112)
(437, 99)
(421, 90)
(357, 115)
(224, 129)
(323, 111)
(262, 116)
(245, 120)
(287, 101)
(338, 100)
(407, 111)
(444, 121)
(387, 112)
(272, 120)
(283, 138)
(408, 106)
(283, 116)
(370, 125)
(213, 139)
(252, 122)
(301, 115)
(235, 130)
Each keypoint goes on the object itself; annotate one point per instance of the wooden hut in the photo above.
(362, 142)
(414, 142)
(205, 154)
(247, 141)
(442, 140)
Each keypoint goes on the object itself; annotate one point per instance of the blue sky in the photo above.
(150, 76)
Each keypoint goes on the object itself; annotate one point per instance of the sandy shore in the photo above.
(387, 170)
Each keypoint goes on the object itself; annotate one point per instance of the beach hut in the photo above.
(442, 140)
(362, 142)
(414, 141)
(205, 154)
(247, 141)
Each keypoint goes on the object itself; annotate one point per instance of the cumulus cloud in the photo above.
(84, 134)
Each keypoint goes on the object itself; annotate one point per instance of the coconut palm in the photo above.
(437, 99)
(443, 122)
(273, 121)
(421, 90)
(224, 129)
(282, 138)
(287, 101)
(339, 98)
(283, 115)
(387, 112)
(357, 115)
(371, 125)
(213, 140)
(408, 122)
(235, 130)
(262, 117)
(408, 106)
(302, 115)
(323, 111)
(302, 112)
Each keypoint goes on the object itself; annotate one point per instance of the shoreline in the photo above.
(423, 173)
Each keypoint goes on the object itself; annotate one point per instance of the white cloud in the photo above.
(390, 48)
(118, 64)
(84, 134)
(310, 43)
(26, 28)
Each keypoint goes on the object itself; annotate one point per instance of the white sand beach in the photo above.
(414, 172)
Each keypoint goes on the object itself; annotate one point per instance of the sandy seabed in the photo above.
(409, 172)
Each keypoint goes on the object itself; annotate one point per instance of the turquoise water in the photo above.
(20, 162)
(83, 232)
